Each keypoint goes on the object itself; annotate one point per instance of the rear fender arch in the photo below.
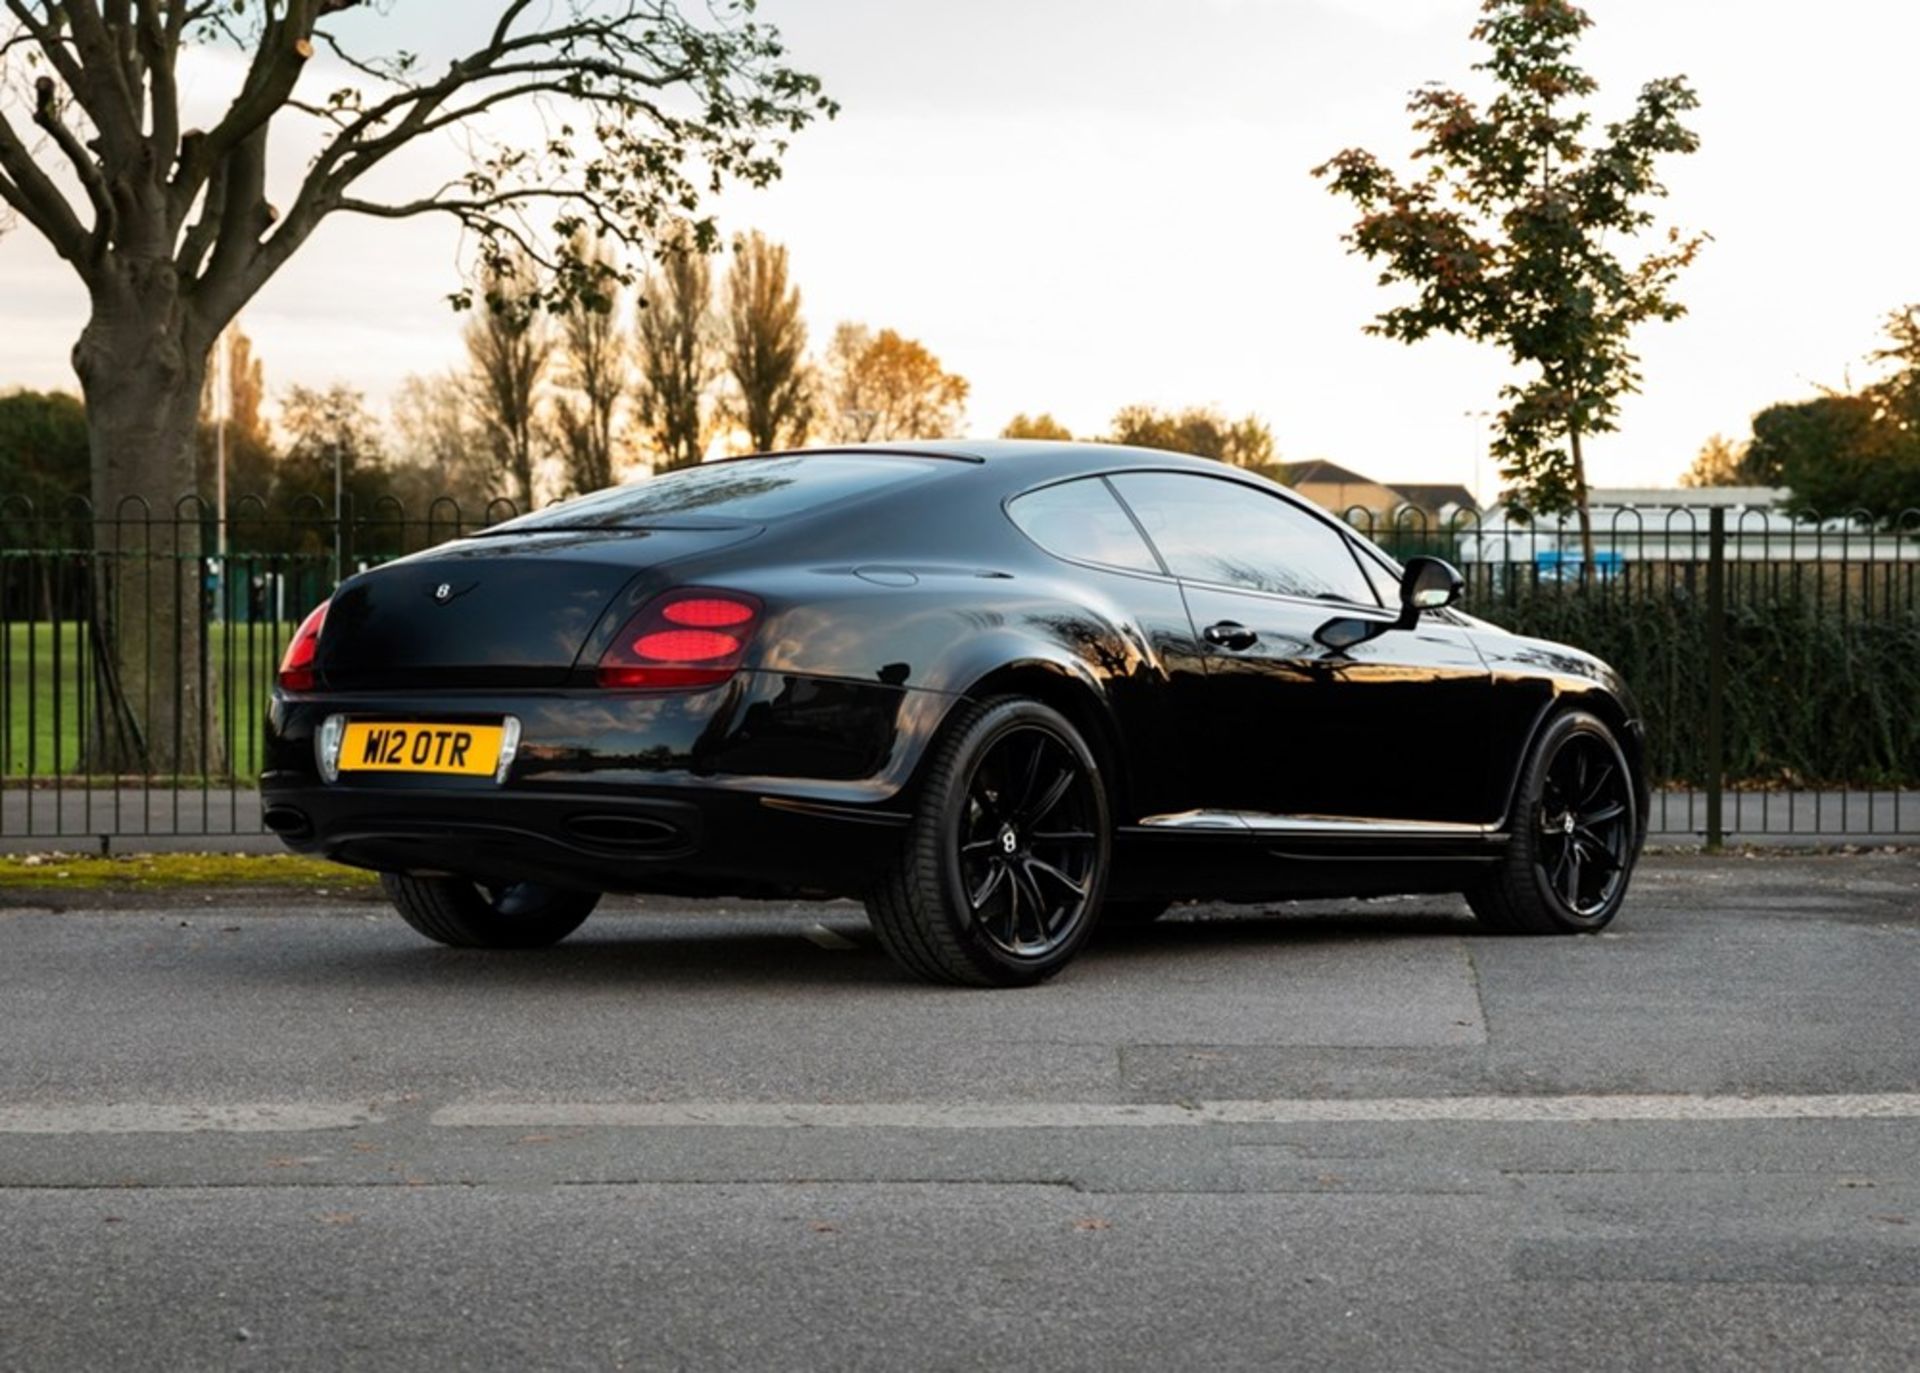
(1060, 681)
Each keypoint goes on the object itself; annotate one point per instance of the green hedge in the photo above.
(1817, 694)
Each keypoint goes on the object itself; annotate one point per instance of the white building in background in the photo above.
(1665, 524)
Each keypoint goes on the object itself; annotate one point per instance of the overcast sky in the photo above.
(1079, 204)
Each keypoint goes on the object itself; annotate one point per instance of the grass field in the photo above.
(47, 691)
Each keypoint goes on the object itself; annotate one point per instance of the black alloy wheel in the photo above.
(1576, 834)
(1583, 825)
(470, 915)
(1002, 871)
(1026, 849)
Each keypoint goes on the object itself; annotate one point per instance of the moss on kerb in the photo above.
(159, 870)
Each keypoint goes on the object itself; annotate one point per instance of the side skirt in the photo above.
(1239, 856)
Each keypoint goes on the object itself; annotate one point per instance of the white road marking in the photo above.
(1042, 1115)
(131, 1118)
(1495, 1109)
(300, 1116)
(778, 1115)
(828, 939)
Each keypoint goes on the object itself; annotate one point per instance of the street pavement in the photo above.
(282, 1132)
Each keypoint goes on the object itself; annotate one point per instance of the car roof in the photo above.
(1064, 454)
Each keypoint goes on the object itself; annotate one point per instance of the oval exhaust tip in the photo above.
(625, 831)
(287, 820)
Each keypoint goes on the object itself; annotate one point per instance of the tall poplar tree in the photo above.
(766, 347)
(675, 332)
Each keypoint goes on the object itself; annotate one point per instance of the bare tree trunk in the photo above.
(140, 365)
(520, 469)
(1586, 515)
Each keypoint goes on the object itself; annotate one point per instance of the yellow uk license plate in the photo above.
(397, 746)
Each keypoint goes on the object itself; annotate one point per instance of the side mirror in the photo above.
(1428, 584)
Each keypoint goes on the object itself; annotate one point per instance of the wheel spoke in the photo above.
(1079, 889)
(1049, 798)
(978, 846)
(1613, 810)
(1598, 850)
(1030, 894)
(994, 791)
(996, 874)
(1072, 837)
(1010, 924)
(1551, 794)
(1572, 889)
(1029, 780)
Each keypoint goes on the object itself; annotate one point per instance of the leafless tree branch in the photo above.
(32, 194)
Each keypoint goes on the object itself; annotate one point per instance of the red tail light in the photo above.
(687, 638)
(296, 668)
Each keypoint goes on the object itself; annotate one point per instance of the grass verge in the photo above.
(160, 871)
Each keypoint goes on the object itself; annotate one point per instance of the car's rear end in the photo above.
(578, 700)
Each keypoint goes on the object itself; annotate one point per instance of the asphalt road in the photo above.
(284, 1133)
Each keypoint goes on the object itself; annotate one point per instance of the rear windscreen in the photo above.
(751, 490)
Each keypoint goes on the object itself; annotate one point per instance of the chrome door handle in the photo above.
(1230, 634)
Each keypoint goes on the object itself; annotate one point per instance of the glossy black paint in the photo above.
(1252, 761)
(489, 613)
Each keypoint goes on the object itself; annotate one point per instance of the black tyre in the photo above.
(518, 915)
(1576, 833)
(1002, 869)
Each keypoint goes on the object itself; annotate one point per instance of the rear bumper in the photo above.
(769, 783)
(689, 841)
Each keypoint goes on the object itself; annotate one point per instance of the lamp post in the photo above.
(339, 523)
(222, 402)
(1479, 418)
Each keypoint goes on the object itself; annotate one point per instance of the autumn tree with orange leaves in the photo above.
(885, 386)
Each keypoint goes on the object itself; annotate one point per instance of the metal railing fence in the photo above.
(176, 750)
(1778, 661)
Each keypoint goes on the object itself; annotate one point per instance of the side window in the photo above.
(1212, 530)
(1082, 520)
(1385, 584)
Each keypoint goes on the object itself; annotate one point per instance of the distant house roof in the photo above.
(1432, 497)
(1436, 496)
(1329, 473)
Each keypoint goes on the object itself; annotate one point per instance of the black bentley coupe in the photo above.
(1003, 692)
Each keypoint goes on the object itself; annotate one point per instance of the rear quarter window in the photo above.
(1083, 520)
